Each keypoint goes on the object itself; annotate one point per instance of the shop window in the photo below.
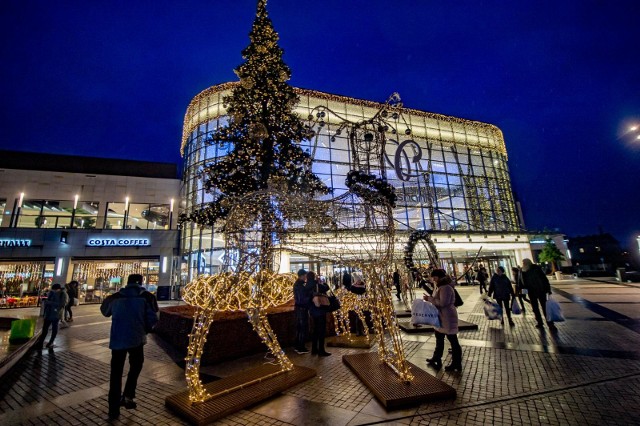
(86, 215)
(115, 216)
(57, 214)
(137, 216)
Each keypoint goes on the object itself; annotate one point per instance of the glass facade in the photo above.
(57, 214)
(450, 174)
(137, 216)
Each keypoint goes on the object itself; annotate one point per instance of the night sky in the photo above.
(560, 79)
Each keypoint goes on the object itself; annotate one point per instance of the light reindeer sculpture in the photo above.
(355, 229)
(358, 303)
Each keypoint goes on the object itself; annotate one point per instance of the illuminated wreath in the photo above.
(373, 189)
(414, 237)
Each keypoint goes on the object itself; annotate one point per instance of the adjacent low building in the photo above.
(94, 220)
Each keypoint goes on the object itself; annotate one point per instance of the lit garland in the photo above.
(263, 132)
(432, 252)
(197, 115)
(371, 188)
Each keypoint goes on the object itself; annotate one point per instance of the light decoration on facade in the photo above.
(86, 270)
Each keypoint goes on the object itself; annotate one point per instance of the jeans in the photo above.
(538, 301)
(456, 350)
(45, 329)
(302, 326)
(118, 356)
(506, 306)
(319, 331)
(483, 286)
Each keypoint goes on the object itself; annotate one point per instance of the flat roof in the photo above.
(23, 160)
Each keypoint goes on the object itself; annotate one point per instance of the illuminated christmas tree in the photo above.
(263, 133)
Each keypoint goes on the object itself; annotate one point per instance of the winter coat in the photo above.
(500, 287)
(64, 301)
(322, 288)
(535, 281)
(53, 305)
(444, 298)
(133, 311)
(303, 292)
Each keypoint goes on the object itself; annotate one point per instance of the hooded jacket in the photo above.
(133, 310)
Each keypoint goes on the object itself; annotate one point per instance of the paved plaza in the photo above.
(588, 373)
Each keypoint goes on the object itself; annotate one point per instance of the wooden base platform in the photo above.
(352, 341)
(236, 400)
(388, 388)
(407, 327)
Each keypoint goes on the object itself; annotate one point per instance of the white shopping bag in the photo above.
(492, 310)
(423, 312)
(515, 307)
(554, 312)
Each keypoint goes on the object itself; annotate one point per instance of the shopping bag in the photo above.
(22, 330)
(423, 312)
(492, 309)
(554, 312)
(515, 307)
(334, 304)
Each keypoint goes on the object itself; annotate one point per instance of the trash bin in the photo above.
(164, 292)
(621, 274)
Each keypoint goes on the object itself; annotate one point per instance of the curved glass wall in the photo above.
(450, 174)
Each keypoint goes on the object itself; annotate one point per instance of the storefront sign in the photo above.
(118, 242)
(15, 243)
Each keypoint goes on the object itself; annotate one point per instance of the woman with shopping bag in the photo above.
(444, 299)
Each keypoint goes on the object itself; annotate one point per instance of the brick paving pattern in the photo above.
(586, 374)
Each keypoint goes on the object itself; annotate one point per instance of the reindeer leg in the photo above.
(261, 326)
(201, 323)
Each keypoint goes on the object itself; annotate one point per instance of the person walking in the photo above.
(538, 287)
(302, 294)
(515, 275)
(500, 286)
(319, 316)
(482, 278)
(65, 301)
(52, 307)
(72, 292)
(396, 283)
(134, 314)
(444, 299)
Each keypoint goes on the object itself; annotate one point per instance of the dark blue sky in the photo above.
(561, 79)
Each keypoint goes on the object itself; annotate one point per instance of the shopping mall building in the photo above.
(450, 175)
(94, 220)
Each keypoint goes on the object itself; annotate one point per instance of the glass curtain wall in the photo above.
(57, 214)
(137, 216)
(450, 174)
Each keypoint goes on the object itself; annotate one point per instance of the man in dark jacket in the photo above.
(302, 294)
(500, 287)
(134, 314)
(538, 287)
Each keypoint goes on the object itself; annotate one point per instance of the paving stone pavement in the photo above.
(588, 373)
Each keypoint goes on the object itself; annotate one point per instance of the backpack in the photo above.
(458, 302)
